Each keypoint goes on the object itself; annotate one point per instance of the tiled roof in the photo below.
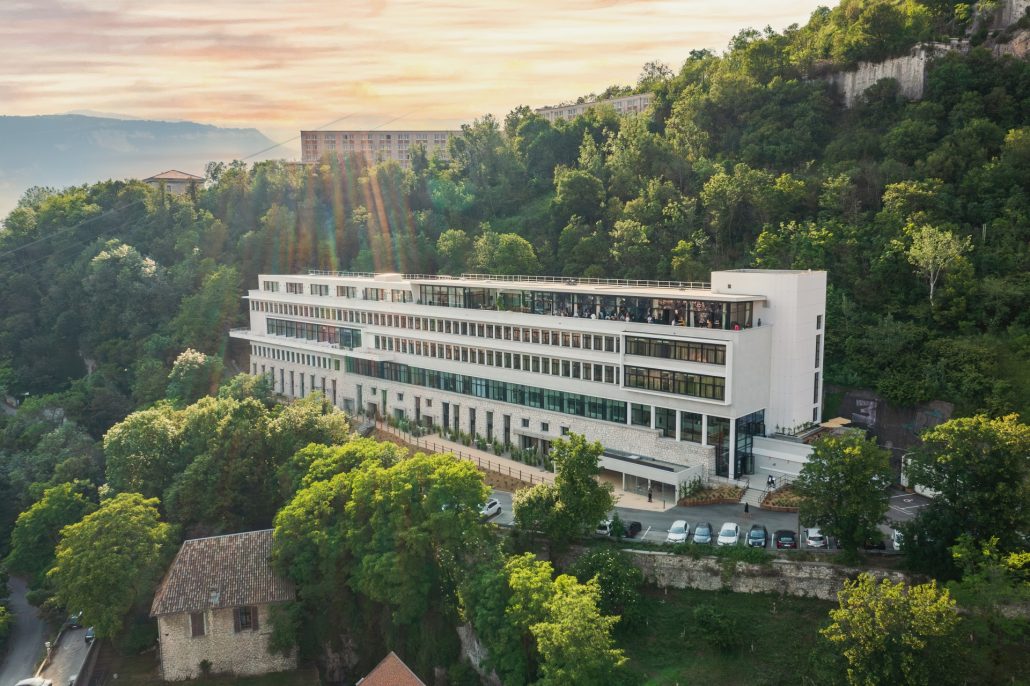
(222, 571)
(175, 175)
(391, 672)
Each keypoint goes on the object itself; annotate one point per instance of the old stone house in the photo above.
(213, 606)
(391, 672)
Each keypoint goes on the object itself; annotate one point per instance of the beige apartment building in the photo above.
(376, 146)
(628, 104)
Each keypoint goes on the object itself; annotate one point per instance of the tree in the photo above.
(980, 469)
(109, 560)
(575, 502)
(37, 531)
(143, 453)
(843, 488)
(575, 643)
(934, 251)
(455, 249)
(890, 634)
(619, 582)
(193, 376)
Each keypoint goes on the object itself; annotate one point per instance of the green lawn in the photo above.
(779, 640)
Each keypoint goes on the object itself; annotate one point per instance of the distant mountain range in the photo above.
(68, 149)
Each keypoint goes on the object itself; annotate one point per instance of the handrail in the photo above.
(326, 272)
(581, 280)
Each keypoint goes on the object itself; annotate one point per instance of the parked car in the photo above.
(604, 528)
(492, 508)
(35, 681)
(704, 533)
(758, 536)
(633, 528)
(90, 635)
(785, 538)
(815, 539)
(729, 534)
(875, 544)
(897, 539)
(679, 532)
(75, 620)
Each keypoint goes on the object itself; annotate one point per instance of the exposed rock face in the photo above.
(473, 649)
(909, 71)
(787, 577)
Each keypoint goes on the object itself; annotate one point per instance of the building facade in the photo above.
(627, 104)
(175, 182)
(375, 146)
(214, 606)
(676, 380)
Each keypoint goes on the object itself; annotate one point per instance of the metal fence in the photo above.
(433, 445)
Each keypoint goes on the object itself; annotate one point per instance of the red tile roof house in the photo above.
(214, 604)
(391, 672)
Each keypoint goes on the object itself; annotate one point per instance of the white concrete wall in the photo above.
(796, 301)
(240, 653)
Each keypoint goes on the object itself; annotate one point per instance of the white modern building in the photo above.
(676, 380)
(627, 104)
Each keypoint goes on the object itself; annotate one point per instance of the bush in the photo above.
(720, 630)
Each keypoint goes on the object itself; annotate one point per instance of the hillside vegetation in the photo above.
(919, 211)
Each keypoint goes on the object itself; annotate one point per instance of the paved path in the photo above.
(67, 658)
(25, 646)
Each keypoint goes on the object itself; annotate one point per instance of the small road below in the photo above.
(68, 657)
(25, 647)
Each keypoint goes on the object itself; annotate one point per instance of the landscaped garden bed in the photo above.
(711, 495)
(784, 499)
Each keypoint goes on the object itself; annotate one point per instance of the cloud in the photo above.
(294, 64)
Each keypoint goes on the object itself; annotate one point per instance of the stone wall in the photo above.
(787, 577)
(909, 71)
(1009, 12)
(244, 652)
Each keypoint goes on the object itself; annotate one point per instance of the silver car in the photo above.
(729, 534)
(679, 532)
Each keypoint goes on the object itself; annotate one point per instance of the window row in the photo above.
(573, 369)
(319, 361)
(688, 351)
(698, 313)
(323, 333)
(566, 339)
(516, 394)
(680, 383)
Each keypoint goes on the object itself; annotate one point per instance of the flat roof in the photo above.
(674, 290)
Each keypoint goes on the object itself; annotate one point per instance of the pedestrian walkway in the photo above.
(503, 465)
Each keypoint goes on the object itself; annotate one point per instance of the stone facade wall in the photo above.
(909, 71)
(245, 652)
(1009, 12)
(787, 577)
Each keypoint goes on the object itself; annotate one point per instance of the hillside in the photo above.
(66, 149)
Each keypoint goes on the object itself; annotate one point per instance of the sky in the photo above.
(286, 65)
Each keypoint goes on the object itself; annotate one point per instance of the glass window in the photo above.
(640, 415)
(665, 421)
(690, 427)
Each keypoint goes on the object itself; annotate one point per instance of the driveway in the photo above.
(25, 646)
(68, 657)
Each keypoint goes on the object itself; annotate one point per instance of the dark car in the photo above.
(758, 536)
(633, 528)
(90, 635)
(75, 620)
(703, 533)
(785, 538)
(875, 544)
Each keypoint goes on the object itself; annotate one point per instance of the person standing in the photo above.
(747, 511)
(650, 493)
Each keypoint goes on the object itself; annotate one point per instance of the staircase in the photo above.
(753, 497)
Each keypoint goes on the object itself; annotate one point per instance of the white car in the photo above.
(897, 539)
(35, 681)
(604, 528)
(729, 534)
(492, 508)
(679, 532)
(815, 539)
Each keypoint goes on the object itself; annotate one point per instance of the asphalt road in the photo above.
(655, 525)
(25, 647)
(67, 658)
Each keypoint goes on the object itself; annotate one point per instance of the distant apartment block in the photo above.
(376, 146)
(628, 104)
